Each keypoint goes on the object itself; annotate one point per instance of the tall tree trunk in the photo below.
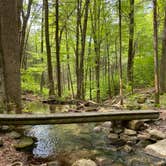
(25, 18)
(120, 54)
(83, 44)
(77, 48)
(2, 80)
(48, 49)
(163, 60)
(10, 45)
(131, 45)
(58, 66)
(156, 68)
(42, 31)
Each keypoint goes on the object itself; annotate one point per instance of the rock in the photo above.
(90, 104)
(1, 142)
(113, 136)
(103, 161)
(128, 139)
(143, 136)
(135, 124)
(14, 135)
(156, 134)
(127, 148)
(158, 149)
(107, 124)
(91, 109)
(97, 129)
(130, 132)
(54, 163)
(84, 162)
(24, 142)
(17, 163)
(133, 107)
(141, 100)
(161, 163)
(143, 143)
(6, 128)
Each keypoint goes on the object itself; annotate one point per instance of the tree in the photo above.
(131, 45)
(83, 44)
(58, 65)
(48, 49)
(10, 14)
(120, 54)
(163, 59)
(155, 40)
(25, 18)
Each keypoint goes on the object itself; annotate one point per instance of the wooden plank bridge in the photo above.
(69, 118)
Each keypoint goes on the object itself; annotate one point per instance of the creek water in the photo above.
(80, 140)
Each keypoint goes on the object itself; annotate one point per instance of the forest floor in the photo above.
(9, 156)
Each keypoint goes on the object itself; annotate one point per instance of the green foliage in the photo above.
(143, 71)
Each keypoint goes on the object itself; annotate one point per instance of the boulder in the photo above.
(97, 129)
(113, 136)
(158, 149)
(130, 132)
(156, 134)
(127, 148)
(107, 124)
(135, 124)
(84, 162)
(24, 142)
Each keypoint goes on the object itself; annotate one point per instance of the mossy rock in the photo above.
(133, 107)
(24, 143)
(141, 100)
(14, 135)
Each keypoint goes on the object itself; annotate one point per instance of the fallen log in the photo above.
(68, 118)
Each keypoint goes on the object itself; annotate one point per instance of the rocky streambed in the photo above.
(102, 144)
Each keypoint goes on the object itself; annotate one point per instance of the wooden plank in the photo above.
(68, 118)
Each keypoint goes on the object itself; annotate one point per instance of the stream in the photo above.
(80, 140)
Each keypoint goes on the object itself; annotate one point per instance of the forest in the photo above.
(84, 58)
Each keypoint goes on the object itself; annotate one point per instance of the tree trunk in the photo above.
(25, 18)
(131, 45)
(10, 46)
(48, 49)
(156, 71)
(120, 54)
(83, 44)
(163, 60)
(58, 66)
(2, 81)
(77, 48)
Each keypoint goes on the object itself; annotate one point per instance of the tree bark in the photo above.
(25, 18)
(83, 44)
(155, 38)
(120, 54)
(10, 45)
(131, 46)
(58, 65)
(48, 49)
(163, 60)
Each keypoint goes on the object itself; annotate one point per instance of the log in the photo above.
(69, 118)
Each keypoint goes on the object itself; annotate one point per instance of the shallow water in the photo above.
(75, 138)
